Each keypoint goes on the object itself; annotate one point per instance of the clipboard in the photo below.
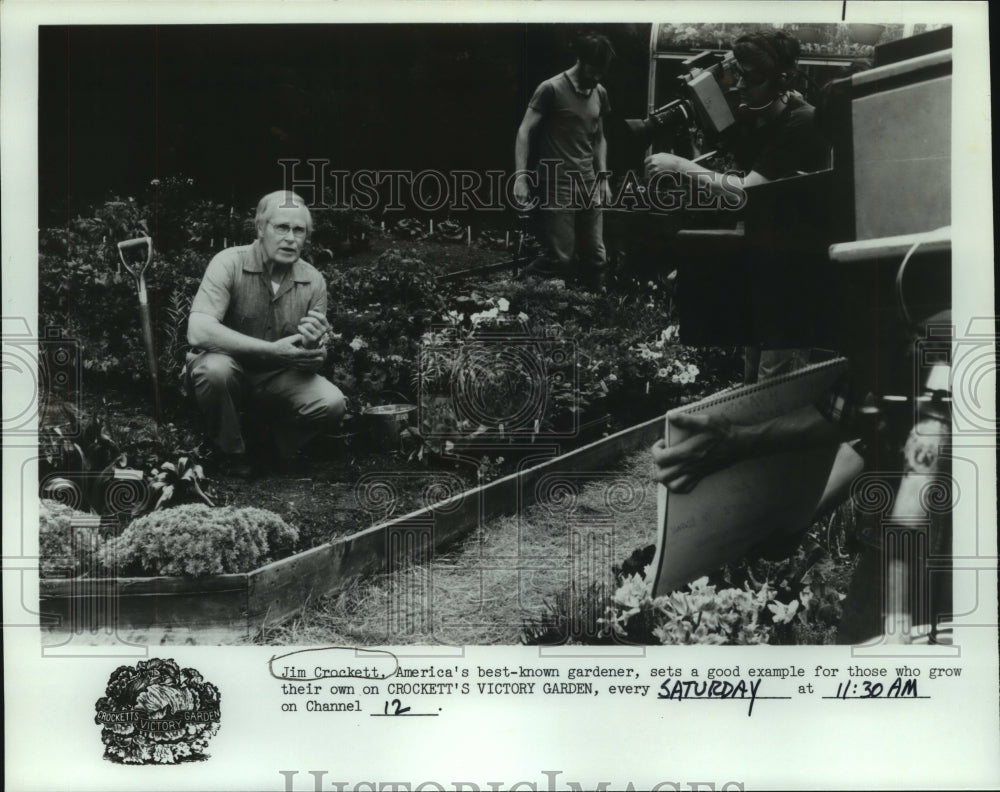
(755, 499)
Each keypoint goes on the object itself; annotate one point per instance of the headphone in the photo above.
(782, 50)
(782, 82)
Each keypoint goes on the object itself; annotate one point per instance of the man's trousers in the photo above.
(296, 404)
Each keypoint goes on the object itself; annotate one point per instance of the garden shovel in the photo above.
(138, 271)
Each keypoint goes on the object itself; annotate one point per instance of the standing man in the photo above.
(563, 125)
(258, 329)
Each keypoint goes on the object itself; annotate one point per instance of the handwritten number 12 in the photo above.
(399, 708)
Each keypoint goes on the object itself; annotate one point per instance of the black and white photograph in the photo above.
(499, 369)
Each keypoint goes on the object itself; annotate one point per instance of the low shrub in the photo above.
(69, 541)
(195, 540)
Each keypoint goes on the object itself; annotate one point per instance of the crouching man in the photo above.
(258, 331)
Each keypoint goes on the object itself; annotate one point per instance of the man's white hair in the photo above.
(280, 199)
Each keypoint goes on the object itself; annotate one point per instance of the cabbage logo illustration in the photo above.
(157, 713)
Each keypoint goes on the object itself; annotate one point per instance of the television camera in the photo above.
(709, 103)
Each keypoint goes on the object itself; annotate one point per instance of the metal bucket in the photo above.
(382, 425)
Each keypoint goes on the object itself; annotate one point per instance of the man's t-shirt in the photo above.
(570, 127)
(785, 145)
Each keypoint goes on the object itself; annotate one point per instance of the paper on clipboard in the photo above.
(731, 510)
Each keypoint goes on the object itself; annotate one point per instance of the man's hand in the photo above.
(665, 163)
(314, 329)
(290, 353)
(715, 444)
(604, 193)
(522, 191)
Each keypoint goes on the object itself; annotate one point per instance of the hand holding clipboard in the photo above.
(742, 469)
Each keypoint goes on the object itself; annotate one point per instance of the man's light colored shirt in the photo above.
(237, 291)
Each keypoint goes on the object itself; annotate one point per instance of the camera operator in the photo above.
(777, 137)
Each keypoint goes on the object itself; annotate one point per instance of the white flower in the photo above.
(782, 614)
(503, 304)
(612, 378)
(523, 316)
(479, 317)
(358, 343)
(686, 374)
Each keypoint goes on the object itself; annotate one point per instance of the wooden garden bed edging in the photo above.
(241, 605)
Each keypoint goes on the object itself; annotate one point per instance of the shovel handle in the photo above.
(128, 244)
(147, 340)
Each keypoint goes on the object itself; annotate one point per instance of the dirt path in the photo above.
(481, 592)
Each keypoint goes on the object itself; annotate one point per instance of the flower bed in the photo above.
(222, 608)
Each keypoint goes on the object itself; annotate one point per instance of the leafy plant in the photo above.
(174, 320)
(175, 483)
(340, 231)
(493, 240)
(811, 569)
(573, 617)
(490, 468)
(702, 614)
(387, 305)
(409, 228)
(78, 461)
(449, 231)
